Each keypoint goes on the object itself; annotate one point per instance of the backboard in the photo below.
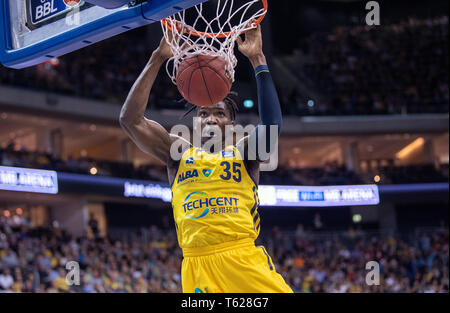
(34, 31)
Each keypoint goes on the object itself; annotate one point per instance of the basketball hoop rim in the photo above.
(167, 21)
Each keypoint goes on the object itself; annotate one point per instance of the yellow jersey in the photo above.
(214, 199)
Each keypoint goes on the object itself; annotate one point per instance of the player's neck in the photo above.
(213, 148)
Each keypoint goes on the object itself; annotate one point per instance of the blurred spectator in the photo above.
(6, 280)
(9, 258)
(318, 225)
(93, 224)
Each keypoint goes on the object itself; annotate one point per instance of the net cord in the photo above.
(186, 41)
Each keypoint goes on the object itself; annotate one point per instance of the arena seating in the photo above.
(33, 259)
(359, 71)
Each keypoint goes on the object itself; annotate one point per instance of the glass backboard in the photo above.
(34, 31)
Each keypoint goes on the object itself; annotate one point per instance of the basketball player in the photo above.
(214, 195)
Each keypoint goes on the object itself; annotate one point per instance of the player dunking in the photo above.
(214, 195)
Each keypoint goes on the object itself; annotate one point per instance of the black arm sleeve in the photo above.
(269, 113)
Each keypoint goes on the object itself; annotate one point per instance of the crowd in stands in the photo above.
(399, 68)
(337, 263)
(330, 173)
(34, 260)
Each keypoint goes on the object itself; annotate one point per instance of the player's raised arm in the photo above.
(268, 101)
(148, 135)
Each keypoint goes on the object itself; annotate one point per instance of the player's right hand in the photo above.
(164, 51)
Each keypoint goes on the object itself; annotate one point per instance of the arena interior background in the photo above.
(362, 105)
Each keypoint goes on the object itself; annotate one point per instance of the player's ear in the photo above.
(230, 126)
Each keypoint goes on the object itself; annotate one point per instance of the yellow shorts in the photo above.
(232, 267)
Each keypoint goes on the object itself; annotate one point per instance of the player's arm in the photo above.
(268, 101)
(148, 135)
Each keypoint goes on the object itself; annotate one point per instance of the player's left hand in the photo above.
(252, 46)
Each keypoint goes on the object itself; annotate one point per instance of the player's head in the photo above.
(217, 116)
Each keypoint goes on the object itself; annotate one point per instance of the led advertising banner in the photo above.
(31, 180)
(319, 196)
(152, 191)
(300, 196)
(28, 180)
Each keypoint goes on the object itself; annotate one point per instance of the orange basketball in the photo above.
(71, 3)
(203, 80)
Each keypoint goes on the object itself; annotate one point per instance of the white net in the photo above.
(191, 32)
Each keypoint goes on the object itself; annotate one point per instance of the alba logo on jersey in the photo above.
(187, 175)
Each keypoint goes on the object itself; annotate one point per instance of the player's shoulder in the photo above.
(245, 149)
(178, 149)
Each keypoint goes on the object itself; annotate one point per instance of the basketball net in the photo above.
(217, 36)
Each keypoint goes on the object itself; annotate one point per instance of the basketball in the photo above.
(203, 80)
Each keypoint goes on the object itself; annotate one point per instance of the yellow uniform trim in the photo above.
(208, 250)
